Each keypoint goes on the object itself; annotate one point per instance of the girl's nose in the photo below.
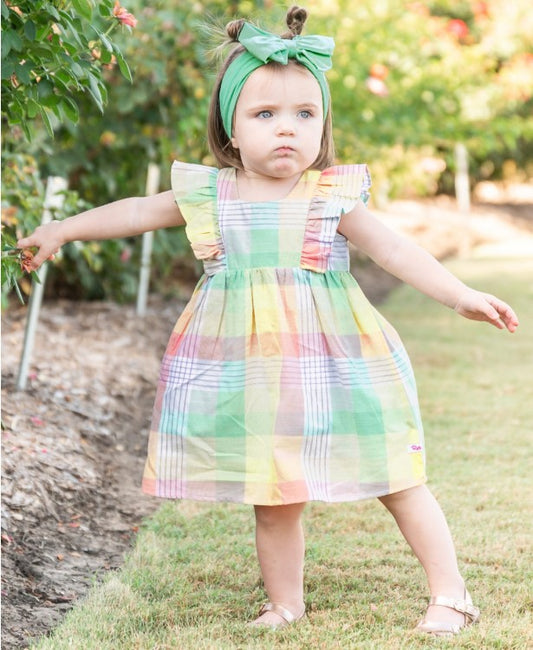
(285, 126)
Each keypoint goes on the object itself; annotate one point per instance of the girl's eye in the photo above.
(305, 114)
(264, 114)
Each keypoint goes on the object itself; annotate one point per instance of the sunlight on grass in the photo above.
(192, 581)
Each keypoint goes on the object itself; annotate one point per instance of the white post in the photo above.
(52, 199)
(152, 187)
(462, 184)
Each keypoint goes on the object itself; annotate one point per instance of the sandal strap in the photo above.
(461, 606)
(439, 628)
(285, 614)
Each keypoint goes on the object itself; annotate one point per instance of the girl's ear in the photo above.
(234, 143)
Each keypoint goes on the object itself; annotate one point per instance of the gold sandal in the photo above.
(286, 615)
(441, 628)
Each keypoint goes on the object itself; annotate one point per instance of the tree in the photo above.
(52, 51)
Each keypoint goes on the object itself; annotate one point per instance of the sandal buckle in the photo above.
(460, 606)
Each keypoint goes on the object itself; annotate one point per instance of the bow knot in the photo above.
(311, 51)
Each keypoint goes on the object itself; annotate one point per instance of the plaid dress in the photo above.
(280, 383)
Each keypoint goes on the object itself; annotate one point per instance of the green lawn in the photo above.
(192, 582)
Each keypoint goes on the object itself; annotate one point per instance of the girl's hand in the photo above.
(47, 238)
(485, 307)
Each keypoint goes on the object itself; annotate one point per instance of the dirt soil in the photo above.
(74, 442)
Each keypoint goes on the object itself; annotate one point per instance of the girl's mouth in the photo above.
(284, 151)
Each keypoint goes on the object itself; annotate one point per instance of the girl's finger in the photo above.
(24, 243)
(38, 260)
(505, 312)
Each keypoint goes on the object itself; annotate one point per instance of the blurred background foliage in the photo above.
(410, 80)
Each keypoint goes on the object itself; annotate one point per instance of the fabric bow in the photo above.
(311, 51)
(261, 48)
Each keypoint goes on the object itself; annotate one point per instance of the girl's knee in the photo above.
(404, 495)
(272, 516)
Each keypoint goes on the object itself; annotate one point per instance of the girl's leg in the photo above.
(280, 551)
(424, 526)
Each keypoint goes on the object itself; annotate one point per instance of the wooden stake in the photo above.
(52, 199)
(152, 187)
(462, 183)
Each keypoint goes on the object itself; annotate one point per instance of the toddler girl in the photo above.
(281, 384)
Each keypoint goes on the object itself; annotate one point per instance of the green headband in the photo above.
(313, 52)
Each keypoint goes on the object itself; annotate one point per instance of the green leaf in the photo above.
(50, 101)
(6, 46)
(35, 277)
(94, 90)
(28, 131)
(53, 12)
(72, 27)
(44, 88)
(24, 72)
(77, 70)
(123, 65)
(105, 41)
(57, 109)
(105, 56)
(65, 76)
(17, 290)
(71, 49)
(103, 90)
(83, 7)
(10, 41)
(29, 30)
(77, 25)
(5, 11)
(16, 112)
(43, 31)
(46, 121)
(62, 86)
(103, 10)
(16, 41)
(8, 68)
(32, 108)
(43, 51)
(71, 109)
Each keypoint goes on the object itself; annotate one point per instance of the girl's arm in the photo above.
(124, 218)
(414, 265)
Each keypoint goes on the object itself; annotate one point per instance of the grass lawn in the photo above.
(192, 580)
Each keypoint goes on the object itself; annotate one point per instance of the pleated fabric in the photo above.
(280, 383)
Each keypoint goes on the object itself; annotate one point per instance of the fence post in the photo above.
(152, 187)
(462, 183)
(52, 199)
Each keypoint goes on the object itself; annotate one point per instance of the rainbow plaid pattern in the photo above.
(280, 383)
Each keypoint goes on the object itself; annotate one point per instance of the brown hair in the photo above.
(219, 142)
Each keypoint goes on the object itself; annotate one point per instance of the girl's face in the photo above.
(278, 121)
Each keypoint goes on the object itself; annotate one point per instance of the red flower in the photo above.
(458, 28)
(379, 71)
(124, 16)
(481, 10)
(26, 257)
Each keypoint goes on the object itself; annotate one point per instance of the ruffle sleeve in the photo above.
(195, 191)
(338, 190)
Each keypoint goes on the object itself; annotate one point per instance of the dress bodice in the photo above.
(298, 231)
